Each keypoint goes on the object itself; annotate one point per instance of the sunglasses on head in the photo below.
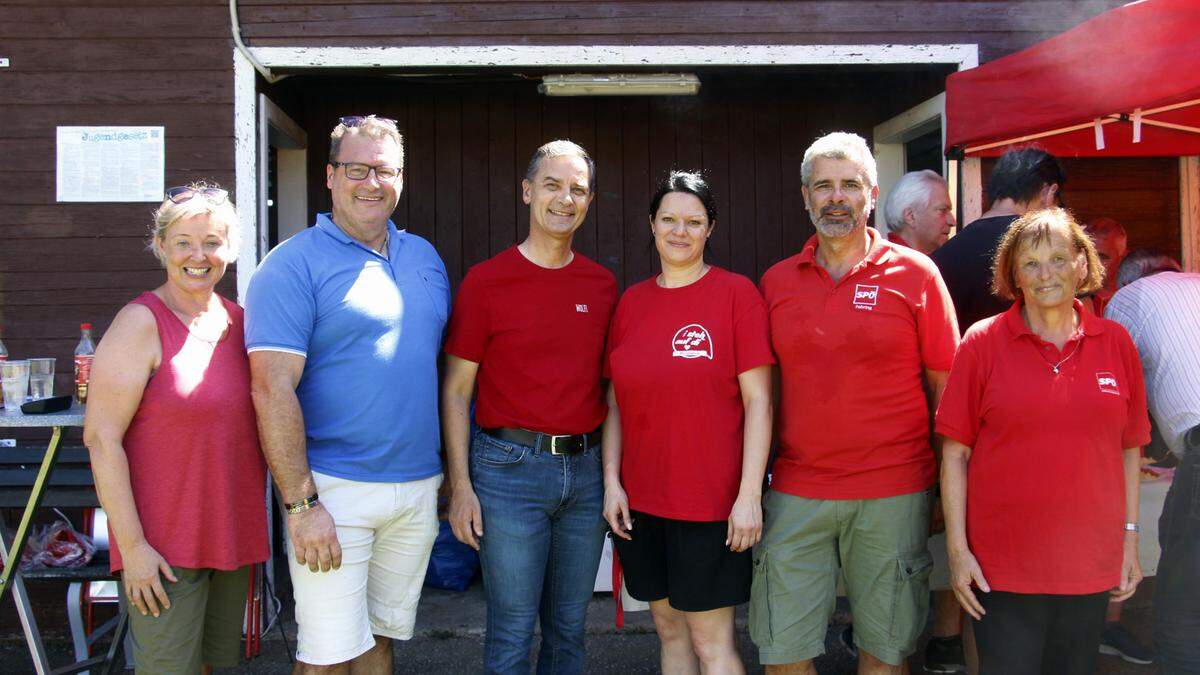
(359, 120)
(183, 193)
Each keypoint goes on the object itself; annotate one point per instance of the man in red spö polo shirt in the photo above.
(529, 328)
(864, 331)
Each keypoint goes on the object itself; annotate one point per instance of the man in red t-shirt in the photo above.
(864, 332)
(529, 328)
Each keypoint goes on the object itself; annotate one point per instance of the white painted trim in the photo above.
(910, 123)
(1189, 212)
(246, 160)
(962, 55)
(263, 154)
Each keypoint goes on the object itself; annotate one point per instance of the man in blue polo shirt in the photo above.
(343, 324)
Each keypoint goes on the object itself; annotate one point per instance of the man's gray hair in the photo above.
(840, 145)
(371, 126)
(561, 148)
(914, 190)
(1143, 262)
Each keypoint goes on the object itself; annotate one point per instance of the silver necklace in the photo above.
(1054, 366)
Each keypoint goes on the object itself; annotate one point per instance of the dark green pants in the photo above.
(203, 625)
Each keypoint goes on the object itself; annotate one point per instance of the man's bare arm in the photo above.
(466, 517)
(274, 376)
(273, 379)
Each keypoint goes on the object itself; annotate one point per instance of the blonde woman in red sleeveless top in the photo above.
(171, 431)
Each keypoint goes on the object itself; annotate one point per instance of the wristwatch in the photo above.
(306, 504)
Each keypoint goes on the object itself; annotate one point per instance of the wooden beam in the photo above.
(1189, 212)
(972, 190)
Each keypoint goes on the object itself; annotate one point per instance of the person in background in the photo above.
(1042, 391)
(918, 211)
(687, 434)
(174, 449)
(864, 333)
(919, 215)
(1160, 307)
(527, 489)
(343, 323)
(1022, 180)
(1111, 244)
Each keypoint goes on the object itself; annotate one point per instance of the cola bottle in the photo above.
(84, 352)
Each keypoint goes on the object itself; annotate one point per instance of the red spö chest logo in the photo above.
(865, 296)
(1108, 383)
(692, 342)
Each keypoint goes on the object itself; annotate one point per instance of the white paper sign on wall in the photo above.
(110, 164)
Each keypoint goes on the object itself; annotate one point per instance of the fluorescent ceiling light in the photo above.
(621, 84)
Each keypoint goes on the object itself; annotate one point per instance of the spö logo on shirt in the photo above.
(1108, 383)
(865, 296)
(692, 342)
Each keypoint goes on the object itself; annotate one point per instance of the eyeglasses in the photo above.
(356, 171)
(359, 120)
(215, 196)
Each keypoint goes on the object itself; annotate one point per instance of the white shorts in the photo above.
(386, 531)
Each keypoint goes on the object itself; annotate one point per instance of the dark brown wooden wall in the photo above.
(998, 26)
(169, 63)
(88, 62)
(468, 145)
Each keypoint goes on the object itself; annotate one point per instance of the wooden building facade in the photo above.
(461, 78)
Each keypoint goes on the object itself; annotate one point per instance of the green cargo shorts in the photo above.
(203, 625)
(879, 546)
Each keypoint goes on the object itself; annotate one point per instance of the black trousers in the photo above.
(1027, 634)
(1177, 588)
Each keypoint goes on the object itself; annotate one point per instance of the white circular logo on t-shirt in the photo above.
(692, 342)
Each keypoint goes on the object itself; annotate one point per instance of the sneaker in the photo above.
(846, 637)
(1116, 640)
(945, 655)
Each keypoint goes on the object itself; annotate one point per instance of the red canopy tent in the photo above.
(1123, 84)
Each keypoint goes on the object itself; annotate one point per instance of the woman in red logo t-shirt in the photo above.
(687, 434)
(1044, 414)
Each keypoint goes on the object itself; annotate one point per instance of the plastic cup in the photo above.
(41, 378)
(14, 377)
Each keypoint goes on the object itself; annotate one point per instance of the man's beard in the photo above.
(832, 228)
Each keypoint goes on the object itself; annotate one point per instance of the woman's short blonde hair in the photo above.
(1032, 229)
(168, 213)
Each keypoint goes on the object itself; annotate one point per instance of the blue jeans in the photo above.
(543, 532)
(1176, 600)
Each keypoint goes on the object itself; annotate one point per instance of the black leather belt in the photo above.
(557, 444)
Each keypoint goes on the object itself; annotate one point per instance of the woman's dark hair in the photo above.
(690, 182)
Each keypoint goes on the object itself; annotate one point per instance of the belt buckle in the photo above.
(554, 438)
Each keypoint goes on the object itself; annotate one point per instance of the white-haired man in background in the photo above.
(918, 211)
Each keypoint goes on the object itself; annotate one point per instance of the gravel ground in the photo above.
(450, 639)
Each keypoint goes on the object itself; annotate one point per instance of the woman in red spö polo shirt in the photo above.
(687, 434)
(1044, 415)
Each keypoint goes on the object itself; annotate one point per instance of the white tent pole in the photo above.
(1169, 125)
(1107, 120)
